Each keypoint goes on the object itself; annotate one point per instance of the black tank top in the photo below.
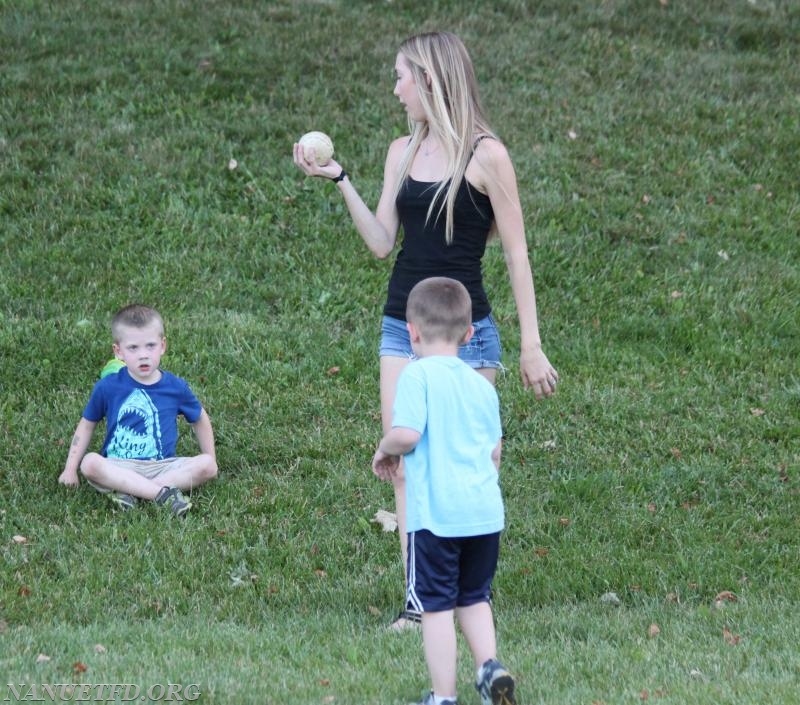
(425, 252)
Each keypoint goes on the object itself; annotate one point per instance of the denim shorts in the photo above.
(481, 351)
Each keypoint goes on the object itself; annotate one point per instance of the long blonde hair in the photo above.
(445, 78)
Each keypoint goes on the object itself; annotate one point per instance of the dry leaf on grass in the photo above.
(387, 520)
(611, 598)
(723, 597)
(653, 630)
(730, 637)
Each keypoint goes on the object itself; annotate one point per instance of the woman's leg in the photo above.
(489, 372)
(391, 367)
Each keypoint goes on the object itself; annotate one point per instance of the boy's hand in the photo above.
(68, 478)
(384, 465)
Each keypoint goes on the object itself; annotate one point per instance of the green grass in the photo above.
(656, 149)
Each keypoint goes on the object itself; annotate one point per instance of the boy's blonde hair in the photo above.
(441, 309)
(135, 316)
(445, 77)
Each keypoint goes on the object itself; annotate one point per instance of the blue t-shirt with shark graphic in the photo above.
(141, 419)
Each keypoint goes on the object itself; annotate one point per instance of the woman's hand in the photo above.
(537, 372)
(306, 161)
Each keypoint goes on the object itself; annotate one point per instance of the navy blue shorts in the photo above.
(445, 573)
(481, 351)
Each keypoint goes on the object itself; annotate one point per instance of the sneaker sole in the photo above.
(502, 690)
(122, 505)
(183, 510)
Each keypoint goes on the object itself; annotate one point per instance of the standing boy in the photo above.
(446, 424)
(141, 404)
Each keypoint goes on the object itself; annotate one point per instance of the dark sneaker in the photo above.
(407, 619)
(495, 684)
(174, 500)
(123, 501)
(428, 700)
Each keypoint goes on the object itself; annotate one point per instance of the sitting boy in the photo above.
(141, 404)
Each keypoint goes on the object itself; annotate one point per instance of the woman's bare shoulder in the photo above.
(490, 150)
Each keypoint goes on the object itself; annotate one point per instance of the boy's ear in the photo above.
(470, 332)
(413, 333)
(116, 350)
(163, 345)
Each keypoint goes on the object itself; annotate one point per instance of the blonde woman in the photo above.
(447, 185)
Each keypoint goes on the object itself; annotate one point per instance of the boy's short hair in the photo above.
(440, 308)
(135, 316)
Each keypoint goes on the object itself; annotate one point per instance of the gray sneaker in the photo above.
(122, 501)
(174, 500)
(495, 684)
(428, 700)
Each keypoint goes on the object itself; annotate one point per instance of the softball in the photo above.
(320, 143)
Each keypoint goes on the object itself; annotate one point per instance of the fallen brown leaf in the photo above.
(653, 630)
(730, 637)
(387, 520)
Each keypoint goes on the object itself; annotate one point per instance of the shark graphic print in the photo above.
(137, 433)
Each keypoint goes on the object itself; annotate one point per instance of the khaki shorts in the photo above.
(151, 469)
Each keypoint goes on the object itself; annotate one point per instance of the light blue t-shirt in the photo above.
(452, 485)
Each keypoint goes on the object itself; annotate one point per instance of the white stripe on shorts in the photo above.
(412, 601)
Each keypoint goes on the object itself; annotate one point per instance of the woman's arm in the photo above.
(378, 230)
(497, 178)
